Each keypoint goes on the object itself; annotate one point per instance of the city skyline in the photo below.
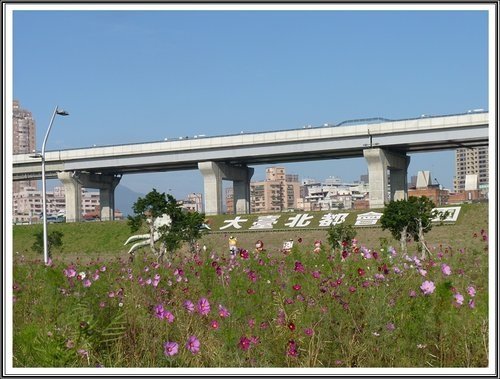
(137, 76)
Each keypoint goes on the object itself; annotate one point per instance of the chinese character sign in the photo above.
(369, 218)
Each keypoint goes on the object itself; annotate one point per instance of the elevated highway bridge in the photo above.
(384, 143)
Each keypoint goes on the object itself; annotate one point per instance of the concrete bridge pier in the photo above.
(74, 181)
(72, 194)
(381, 161)
(213, 174)
(106, 183)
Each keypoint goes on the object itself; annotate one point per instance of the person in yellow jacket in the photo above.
(233, 248)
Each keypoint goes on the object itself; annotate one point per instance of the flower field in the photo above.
(310, 307)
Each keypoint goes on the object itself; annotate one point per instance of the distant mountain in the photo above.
(125, 199)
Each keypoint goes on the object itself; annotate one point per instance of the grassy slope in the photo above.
(104, 238)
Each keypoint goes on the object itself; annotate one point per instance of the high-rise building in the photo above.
(279, 192)
(471, 161)
(229, 197)
(24, 139)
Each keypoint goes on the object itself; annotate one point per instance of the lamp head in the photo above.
(62, 112)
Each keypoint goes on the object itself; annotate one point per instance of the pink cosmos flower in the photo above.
(168, 316)
(308, 332)
(156, 280)
(296, 287)
(159, 311)
(87, 283)
(445, 269)
(214, 324)
(189, 306)
(459, 299)
(427, 287)
(390, 326)
(471, 291)
(70, 272)
(203, 306)
(193, 344)
(472, 303)
(170, 348)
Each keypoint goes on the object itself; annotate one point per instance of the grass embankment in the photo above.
(91, 239)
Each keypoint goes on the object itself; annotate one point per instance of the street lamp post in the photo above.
(44, 194)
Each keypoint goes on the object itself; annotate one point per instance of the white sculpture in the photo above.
(146, 238)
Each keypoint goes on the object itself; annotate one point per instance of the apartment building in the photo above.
(472, 161)
(193, 202)
(28, 208)
(277, 193)
(24, 139)
(332, 194)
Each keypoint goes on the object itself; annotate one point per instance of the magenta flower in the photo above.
(223, 312)
(189, 306)
(193, 344)
(292, 350)
(87, 283)
(170, 348)
(296, 287)
(214, 324)
(445, 269)
(252, 275)
(427, 287)
(299, 267)
(244, 343)
(203, 306)
(472, 303)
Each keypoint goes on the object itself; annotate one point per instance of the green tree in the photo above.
(182, 226)
(193, 222)
(54, 240)
(410, 218)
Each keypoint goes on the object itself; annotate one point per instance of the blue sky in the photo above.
(138, 76)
